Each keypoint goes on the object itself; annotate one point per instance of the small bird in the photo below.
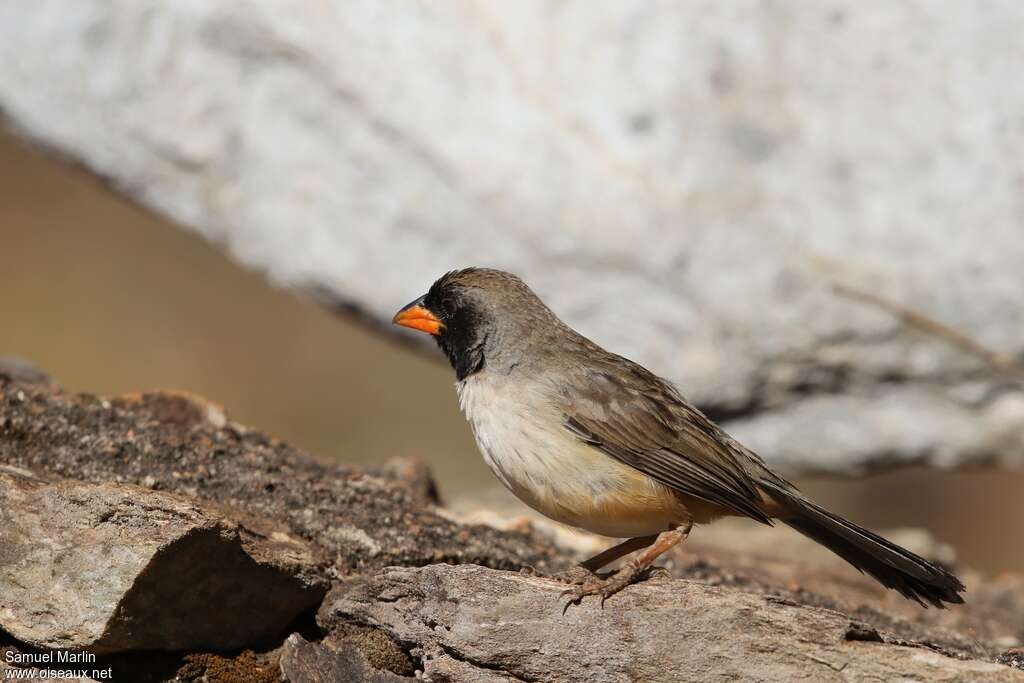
(594, 440)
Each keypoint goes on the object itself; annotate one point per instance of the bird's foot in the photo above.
(603, 586)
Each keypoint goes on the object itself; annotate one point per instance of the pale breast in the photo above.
(522, 439)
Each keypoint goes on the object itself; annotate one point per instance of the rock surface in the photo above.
(306, 662)
(753, 603)
(779, 563)
(472, 624)
(93, 567)
(701, 171)
(163, 441)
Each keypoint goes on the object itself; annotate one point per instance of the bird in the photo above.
(595, 441)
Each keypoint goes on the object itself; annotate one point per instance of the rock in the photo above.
(18, 370)
(473, 624)
(741, 601)
(1013, 657)
(96, 566)
(416, 475)
(306, 662)
(684, 194)
(175, 407)
(211, 667)
(780, 563)
(360, 520)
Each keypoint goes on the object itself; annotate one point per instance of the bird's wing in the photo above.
(641, 420)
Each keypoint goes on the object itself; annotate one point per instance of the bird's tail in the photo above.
(894, 567)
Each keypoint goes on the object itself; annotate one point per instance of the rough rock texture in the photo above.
(474, 624)
(357, 520)
(15, 369)
(681, 181)
(306, 662)
(163, 441)
(730, 573)
(92, 566)
(753, 603)
(778, 562)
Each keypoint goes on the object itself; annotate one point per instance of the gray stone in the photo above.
(113, 567)
(184, 444)
(20, 370)
(681, 182)
(473, 624)
(744, 600)
(306, 662)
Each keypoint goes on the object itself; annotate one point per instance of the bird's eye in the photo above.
(448, 306)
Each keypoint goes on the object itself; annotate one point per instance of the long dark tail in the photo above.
(894, 567)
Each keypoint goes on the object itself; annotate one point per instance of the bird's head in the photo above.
(479, 316)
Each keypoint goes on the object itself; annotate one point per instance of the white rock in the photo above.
(682, 182)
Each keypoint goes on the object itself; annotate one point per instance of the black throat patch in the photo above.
(463, 341)
(465, 327)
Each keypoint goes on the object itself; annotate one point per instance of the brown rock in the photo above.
(246, 667)
(306, 662)
(113, 567)
(362, 521)
(17, 370)
(175, 407)
(474, 624)
(780, 562)
(415, 474)
(746, 602)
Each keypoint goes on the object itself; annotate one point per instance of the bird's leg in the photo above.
(586, 571)
(632, 570)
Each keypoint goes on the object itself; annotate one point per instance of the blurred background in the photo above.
(685, 185)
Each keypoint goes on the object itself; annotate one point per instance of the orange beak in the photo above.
(416, 317)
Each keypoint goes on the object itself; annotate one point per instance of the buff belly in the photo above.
(523, 441)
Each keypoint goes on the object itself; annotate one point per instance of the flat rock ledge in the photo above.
(176, 545)
(95, 567)
(470, 623)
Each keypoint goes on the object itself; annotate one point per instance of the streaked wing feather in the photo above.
(641, 421)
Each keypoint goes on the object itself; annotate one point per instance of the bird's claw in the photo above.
(603, 587)
(576, 593)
